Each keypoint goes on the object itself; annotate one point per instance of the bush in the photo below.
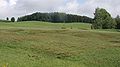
(13, 19)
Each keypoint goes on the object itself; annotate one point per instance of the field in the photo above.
(45, 25)
(40, 44)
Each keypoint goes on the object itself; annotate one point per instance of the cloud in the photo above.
(81, 7)
(2, 7)
(12, 2)
(22, 7)
(112, 6)
(70, 7)
(41, 5)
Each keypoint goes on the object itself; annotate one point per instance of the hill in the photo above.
(55, 17)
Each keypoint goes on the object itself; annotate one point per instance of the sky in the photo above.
(16, 8)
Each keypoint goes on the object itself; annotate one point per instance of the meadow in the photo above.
(45, 25)
(42, 44)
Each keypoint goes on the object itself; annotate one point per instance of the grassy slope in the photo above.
(58, 48)
(45, 25)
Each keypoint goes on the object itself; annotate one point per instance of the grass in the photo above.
(45, 25)
(38, 47)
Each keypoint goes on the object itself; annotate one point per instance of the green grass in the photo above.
(46, 25)
(35, 46)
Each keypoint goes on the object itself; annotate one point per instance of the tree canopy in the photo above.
(103, 20)
(117, 19)
(13, 19)
(7, 19)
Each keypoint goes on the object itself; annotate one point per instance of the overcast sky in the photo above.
(9, 8)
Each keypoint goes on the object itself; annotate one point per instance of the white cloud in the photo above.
(12, 2)
(70, 7)
(21, 7)
(112, 6)
(2, 3)
(2, 7)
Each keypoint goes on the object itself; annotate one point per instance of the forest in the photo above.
(55, 17)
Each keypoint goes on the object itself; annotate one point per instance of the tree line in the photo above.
(55, 17)
(8, 20)
(101, 20)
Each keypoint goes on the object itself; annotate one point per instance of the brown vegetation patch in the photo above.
(115, 41)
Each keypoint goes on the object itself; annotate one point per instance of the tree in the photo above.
(13, 19)
(103, 20)
(7, 19)
(117, 19)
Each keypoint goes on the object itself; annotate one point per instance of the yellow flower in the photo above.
(6, 65)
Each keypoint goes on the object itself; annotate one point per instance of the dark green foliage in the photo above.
(13, 19)
(55, 17)
(7, 19)
(103, 20)
(4, 21)
(117, 19)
